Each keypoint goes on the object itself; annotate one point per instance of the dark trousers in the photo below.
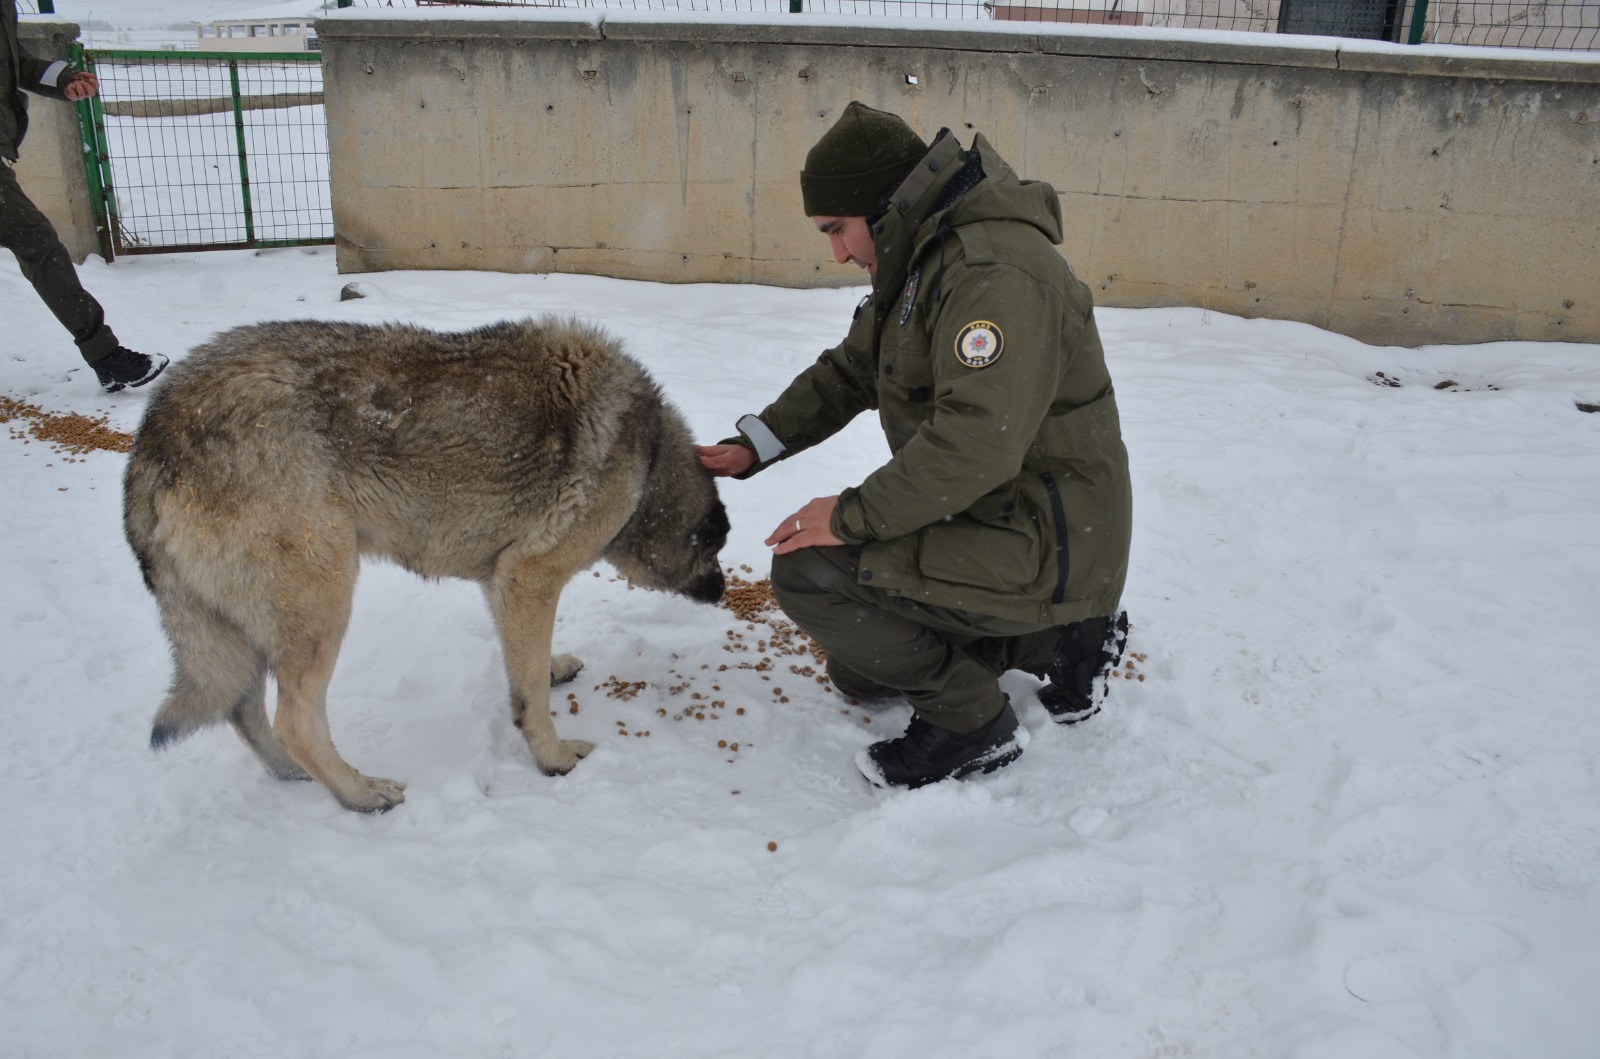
(946, 662)
(29, 234)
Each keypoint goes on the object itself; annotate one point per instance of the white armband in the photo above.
(761, 437)
(52, 74)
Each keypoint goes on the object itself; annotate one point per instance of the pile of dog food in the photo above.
(69, 433)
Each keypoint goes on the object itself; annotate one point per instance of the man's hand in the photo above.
(81, 86)
(725, 460)
(810, 527)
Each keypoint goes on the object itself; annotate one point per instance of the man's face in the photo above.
(851, 240)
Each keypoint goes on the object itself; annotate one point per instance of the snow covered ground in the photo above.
(1344, 805)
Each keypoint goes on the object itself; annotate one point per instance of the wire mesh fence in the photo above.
(209, 151)
(1551, 24)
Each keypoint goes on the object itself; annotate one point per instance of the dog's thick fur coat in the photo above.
(276, 455)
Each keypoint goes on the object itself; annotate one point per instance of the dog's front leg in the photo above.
(523, 596)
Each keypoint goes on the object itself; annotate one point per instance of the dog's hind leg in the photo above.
(313, 611)
(249, 719)
(219, 674)
(522, 597)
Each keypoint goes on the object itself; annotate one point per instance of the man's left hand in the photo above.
(81, 86)
(810, 527)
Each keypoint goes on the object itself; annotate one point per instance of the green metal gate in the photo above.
(206, 150)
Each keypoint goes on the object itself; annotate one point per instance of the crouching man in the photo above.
(996, 535)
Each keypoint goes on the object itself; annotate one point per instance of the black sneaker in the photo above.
(123, 367)
(1081, 677)
(926, 754)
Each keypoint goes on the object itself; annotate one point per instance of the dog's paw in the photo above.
(563, 668)
(570, 753)
(374, 794)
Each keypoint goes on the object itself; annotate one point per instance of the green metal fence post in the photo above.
(244, 161)
(47, 7)
(1419, 22)
(90, 138)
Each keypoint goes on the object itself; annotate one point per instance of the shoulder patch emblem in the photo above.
(910, 297)
(979, 344)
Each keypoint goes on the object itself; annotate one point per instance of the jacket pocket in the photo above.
(1000, 543)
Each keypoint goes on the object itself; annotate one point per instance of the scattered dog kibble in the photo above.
(65, 432)
(772, 847)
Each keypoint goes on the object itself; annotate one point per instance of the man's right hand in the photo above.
(80, 86)
(725, 460)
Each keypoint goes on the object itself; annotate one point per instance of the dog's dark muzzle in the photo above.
(707, 588)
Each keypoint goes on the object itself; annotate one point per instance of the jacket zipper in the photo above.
(1058, 509)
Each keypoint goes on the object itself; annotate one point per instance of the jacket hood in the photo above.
(1004, 196)
(918, 215)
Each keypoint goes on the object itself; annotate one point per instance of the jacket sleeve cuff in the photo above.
(760, 438)
(849, 522)
(51, 78)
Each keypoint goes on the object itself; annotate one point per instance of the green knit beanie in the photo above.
(858, 162)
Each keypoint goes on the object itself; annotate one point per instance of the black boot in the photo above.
(926, 754)
(123, 367)
(1081, 677)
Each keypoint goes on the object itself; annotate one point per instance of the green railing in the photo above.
(206, 150)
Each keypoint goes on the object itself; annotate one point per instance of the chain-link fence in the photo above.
(208, 151)
(1552, 24)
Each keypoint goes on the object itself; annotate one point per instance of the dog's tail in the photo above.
(218, 674)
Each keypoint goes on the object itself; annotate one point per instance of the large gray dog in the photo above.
(276, 455)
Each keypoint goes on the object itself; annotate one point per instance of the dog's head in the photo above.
(672, 541)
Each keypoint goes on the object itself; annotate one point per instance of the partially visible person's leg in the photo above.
(881, 643)
(45, 263)
(934, 656)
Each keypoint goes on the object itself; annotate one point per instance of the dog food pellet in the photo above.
(772, 847)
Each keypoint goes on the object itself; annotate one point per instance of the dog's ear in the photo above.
(713, 532)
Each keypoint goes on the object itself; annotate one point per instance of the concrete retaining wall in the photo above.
(1398, 195)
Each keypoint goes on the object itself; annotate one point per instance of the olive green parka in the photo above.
(1007, 490)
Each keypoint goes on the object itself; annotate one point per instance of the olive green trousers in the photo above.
(946, 662)
(45, 263)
